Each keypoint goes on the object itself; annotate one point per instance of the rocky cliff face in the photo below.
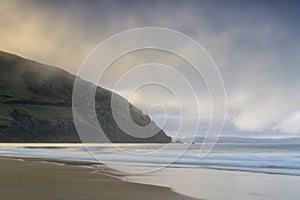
(36, 105)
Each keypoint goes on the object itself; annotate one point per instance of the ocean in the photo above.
(247, 171)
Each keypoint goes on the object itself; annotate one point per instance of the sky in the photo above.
(255, 45)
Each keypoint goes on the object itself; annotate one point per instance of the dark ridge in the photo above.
(36, 105)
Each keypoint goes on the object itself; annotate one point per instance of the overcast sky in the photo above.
(254, 43)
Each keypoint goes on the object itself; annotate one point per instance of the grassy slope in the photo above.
(35, 105)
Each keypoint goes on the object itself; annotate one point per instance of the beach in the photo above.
(25, 179)
(69, 171)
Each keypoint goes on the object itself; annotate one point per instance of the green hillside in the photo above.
(36, 105)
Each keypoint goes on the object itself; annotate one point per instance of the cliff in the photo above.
(36, 105)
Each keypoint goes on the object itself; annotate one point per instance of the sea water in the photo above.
(230, 171)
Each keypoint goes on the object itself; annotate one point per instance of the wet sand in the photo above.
(38, 180)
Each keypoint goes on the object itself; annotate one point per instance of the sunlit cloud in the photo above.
(257, 54)
(291, 124)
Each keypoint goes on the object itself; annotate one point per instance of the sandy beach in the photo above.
(39, 180)
(66, 171)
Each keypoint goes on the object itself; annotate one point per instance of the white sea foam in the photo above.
(227, 162)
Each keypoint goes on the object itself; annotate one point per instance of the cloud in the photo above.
(43, 33)
(254, 44)
(290, 124)
(261, 113)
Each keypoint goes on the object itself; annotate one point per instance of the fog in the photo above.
(254, 44)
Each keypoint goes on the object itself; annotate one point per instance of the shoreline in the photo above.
(27, 178)
(199, 181)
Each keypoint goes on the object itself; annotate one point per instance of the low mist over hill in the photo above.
(36, 105)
